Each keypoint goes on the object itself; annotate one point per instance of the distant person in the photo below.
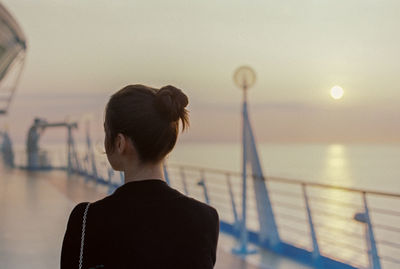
(144, 223)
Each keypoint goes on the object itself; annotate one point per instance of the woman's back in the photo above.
(143, 224)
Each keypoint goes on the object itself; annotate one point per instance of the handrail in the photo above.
(390, 259)
(385, 211)
(287, 205)
(290, 217)
(335, 202)
(339, 231)
(289, 181)
(219, 188)
(387, 227)
(344, 212)
(389, 243)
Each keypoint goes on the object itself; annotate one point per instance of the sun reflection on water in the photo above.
(333, 210)
(337, 167)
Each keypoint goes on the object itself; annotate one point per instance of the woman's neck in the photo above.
(144, 172)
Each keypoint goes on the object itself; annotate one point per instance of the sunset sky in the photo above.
(81, 51)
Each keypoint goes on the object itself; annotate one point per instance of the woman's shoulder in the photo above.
(196, 207)
(75, 218)
(183, 205)
(79, 209)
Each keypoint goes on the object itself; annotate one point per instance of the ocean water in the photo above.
(373, 167)
(364, 166)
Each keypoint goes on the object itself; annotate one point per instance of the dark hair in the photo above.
(149, 117)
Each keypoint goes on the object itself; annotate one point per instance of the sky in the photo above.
(81, 51)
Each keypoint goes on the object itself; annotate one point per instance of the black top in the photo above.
(143, 224)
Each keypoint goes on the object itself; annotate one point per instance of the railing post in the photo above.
(235, 215)
(90, 154)
(122, 177)
(110, 173)
(7, 149)
(72, 154)
(182, 172)
(316, 256)
(202, 183)
(372, 249)
(69, 143)
(166, 176)
(242, 248)
(85, 165)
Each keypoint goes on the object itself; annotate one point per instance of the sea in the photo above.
(374, 167)
(364, 166)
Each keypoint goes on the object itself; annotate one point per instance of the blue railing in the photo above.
(320, 225)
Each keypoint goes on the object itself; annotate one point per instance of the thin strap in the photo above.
(83, 235)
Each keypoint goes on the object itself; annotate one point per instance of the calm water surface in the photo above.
(366, 166)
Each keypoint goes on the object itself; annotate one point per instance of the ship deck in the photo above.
(34, 209)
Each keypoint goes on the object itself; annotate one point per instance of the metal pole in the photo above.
(166, 176)
(243, 234)
(202, 183)
(242, 249)
(316, 256)
(373, 256)
(235, 215)
(69, 145)
(110, 173)
(90, 154)
(185, 189)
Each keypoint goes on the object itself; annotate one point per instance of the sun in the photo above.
(337, 92)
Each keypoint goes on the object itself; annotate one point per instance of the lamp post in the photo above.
(244, 77)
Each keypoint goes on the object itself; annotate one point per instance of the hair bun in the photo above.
(171, 103)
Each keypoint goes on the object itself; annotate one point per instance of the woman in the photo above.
(144, 223)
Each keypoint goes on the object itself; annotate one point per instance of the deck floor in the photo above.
(34, 209)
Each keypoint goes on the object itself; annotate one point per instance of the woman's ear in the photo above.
(120, 143)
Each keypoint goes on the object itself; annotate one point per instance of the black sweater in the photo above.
(143, 224)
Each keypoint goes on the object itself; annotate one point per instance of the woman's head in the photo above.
(145, 119)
